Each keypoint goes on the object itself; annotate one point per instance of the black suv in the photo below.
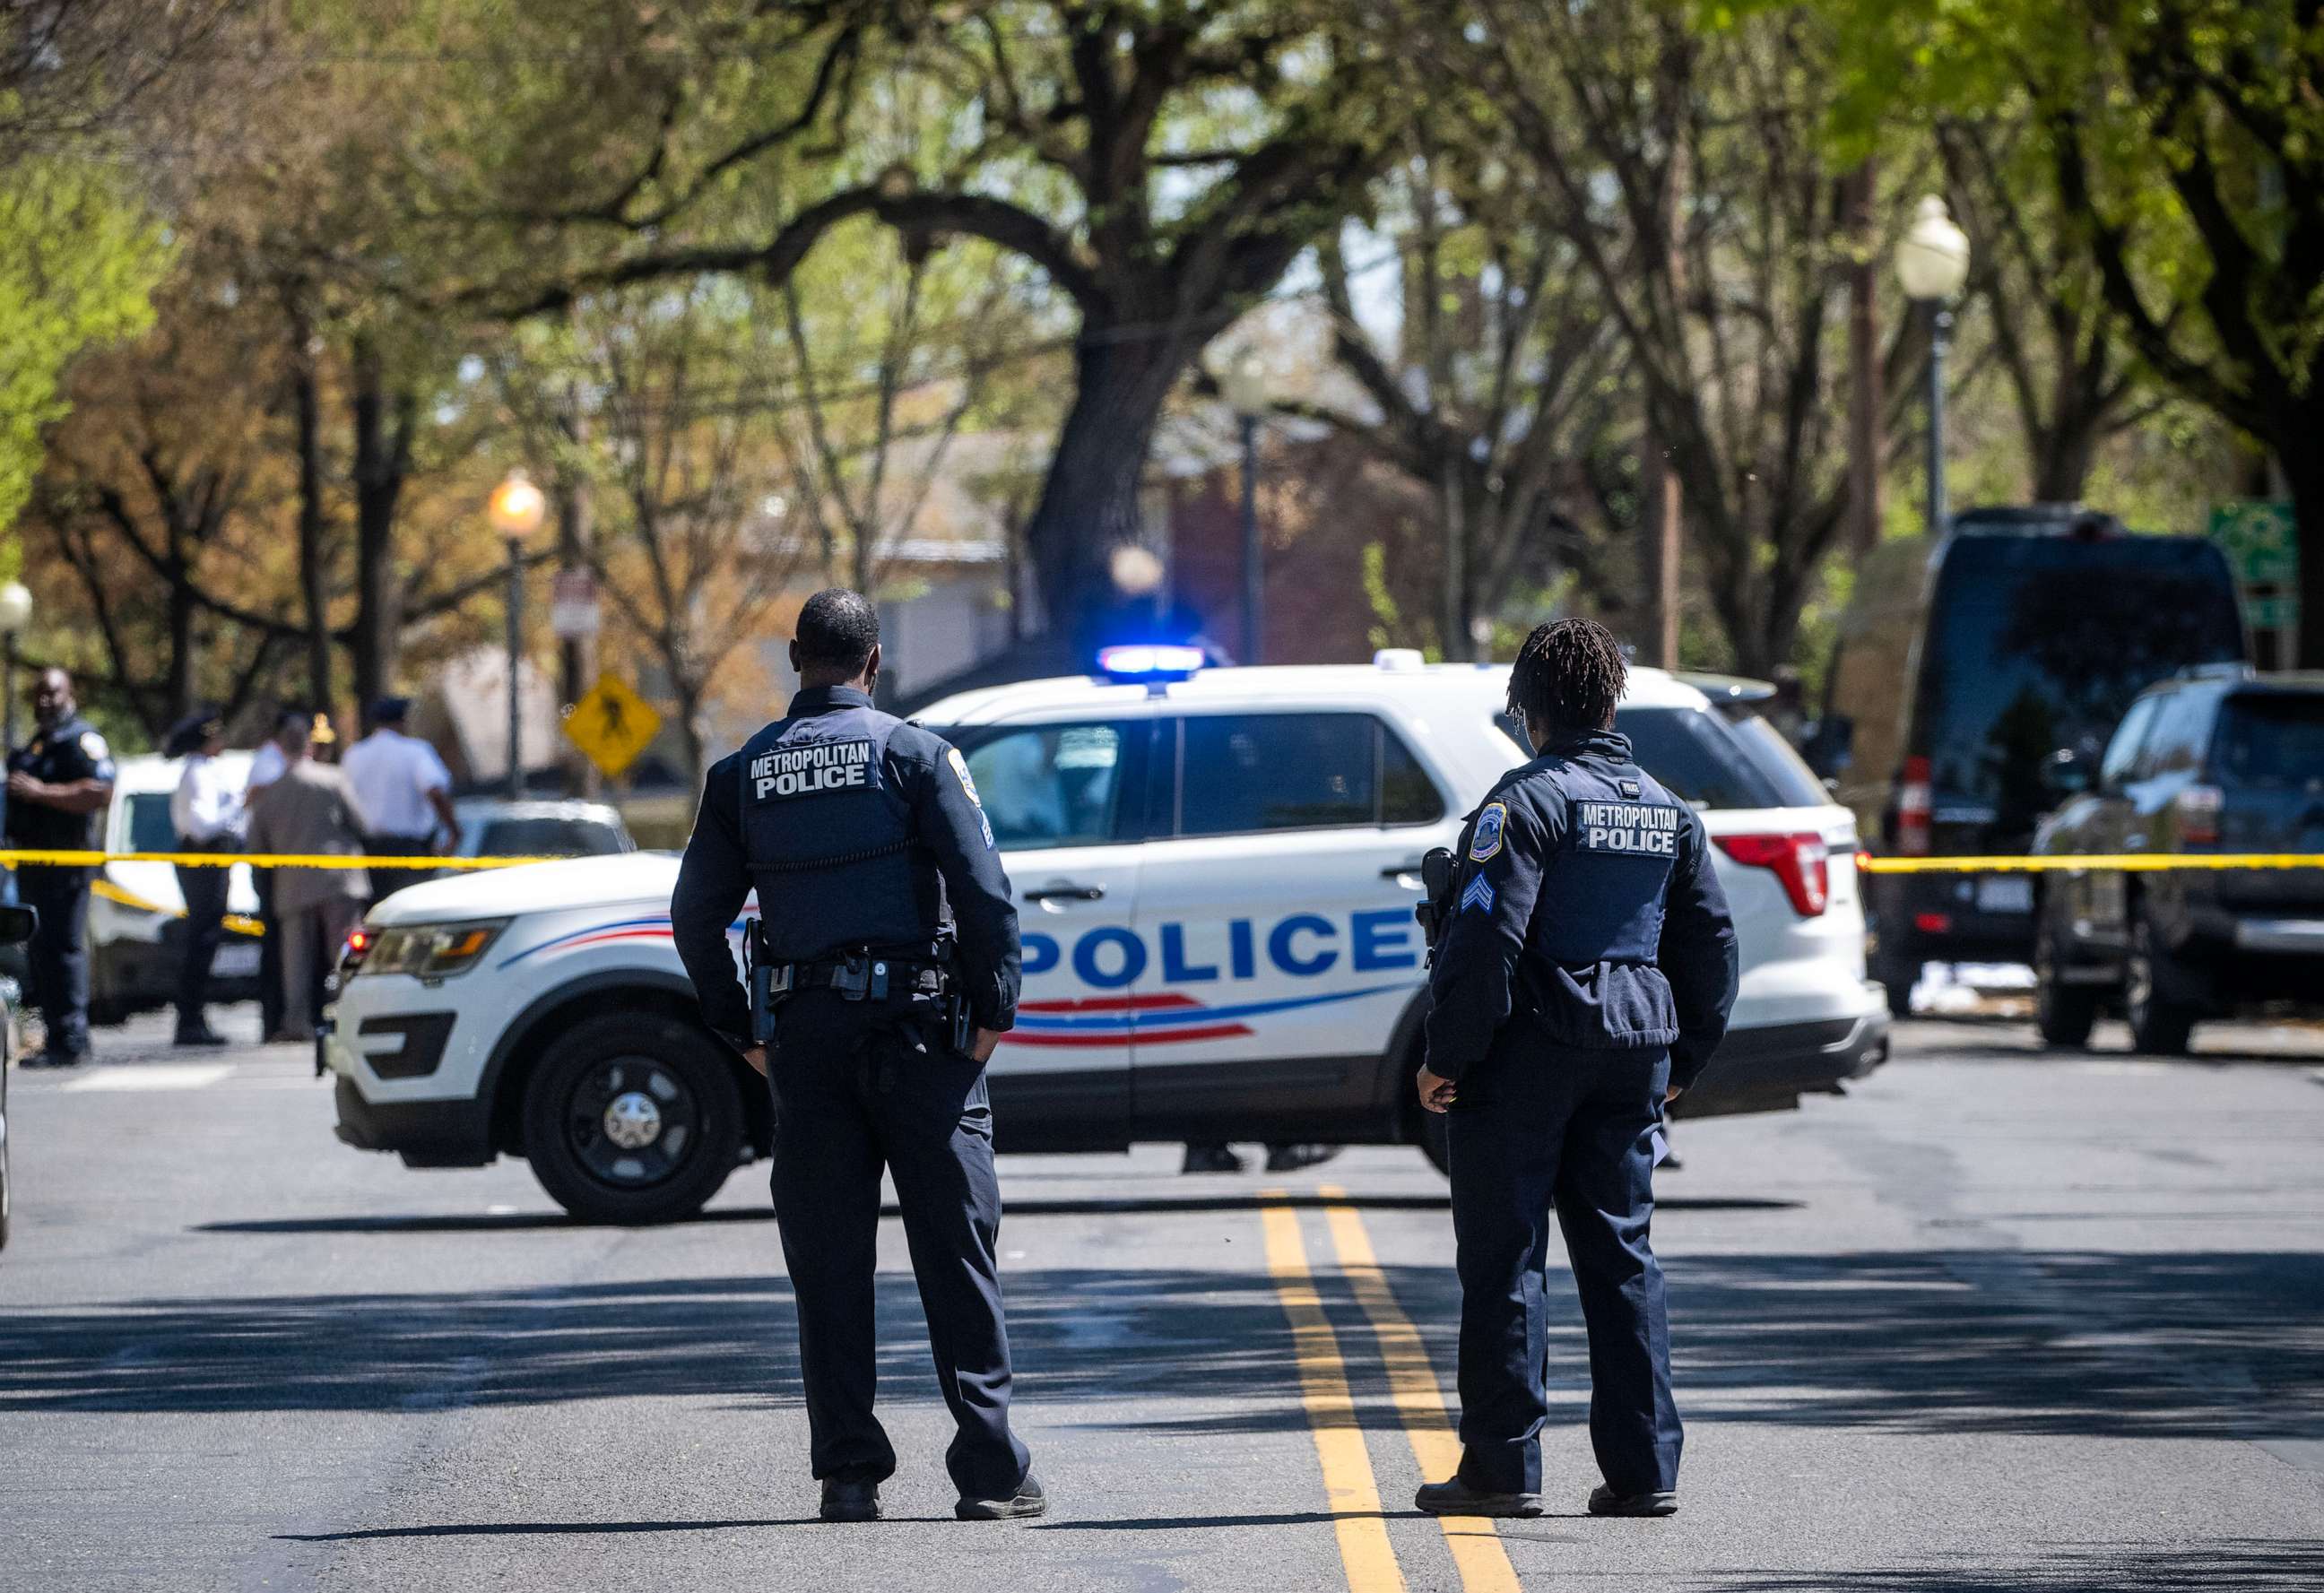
(2215, 760)
(2041, 624)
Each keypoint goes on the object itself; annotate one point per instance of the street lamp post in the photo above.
(1245, 387)
(1932, 262)
(517, 507)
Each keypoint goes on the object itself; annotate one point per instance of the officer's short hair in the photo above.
(838, 629)
(1568, 677)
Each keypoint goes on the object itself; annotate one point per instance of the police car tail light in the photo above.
(1913, 805)
(2199, 814)
(1801, 862)
(1148, 661)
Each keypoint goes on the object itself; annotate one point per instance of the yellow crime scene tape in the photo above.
(2129, 862)
(258, 859)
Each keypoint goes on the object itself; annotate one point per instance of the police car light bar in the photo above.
(1148, 661)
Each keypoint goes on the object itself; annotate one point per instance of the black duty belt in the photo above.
(862, 976)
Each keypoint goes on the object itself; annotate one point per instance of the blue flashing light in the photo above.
(1145, 660)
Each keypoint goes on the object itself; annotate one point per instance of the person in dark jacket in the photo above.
(883, 910)
(59, 785)
(1582, 982)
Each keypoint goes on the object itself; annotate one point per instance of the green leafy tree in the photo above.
(78, 259)
(2183, 145)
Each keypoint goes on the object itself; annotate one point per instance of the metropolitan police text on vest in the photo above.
(795, 771)
(1649, 828)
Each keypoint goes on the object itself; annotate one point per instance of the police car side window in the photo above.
(1246, 773)
(1051, 785)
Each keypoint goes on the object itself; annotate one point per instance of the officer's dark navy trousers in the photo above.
(59, 954)
(1540, 1124)
(845, 1107)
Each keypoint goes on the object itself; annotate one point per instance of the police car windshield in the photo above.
(1701, 758)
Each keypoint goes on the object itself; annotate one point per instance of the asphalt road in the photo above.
(1995, 1321)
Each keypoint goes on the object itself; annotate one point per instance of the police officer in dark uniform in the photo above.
(58, 783)
(1583, 979)
(884, 971)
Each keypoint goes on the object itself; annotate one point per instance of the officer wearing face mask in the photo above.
(1583, 970)
(881, 973)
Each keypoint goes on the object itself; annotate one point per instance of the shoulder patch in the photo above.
(1490, 823)
(967, 780)
(93, 747)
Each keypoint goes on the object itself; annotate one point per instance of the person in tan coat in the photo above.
(311, 808)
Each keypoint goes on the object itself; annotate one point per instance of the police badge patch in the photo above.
(968, 784)
(1487, 841)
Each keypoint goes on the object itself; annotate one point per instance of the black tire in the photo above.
(646, 1075)
(108, 1012)
(2063, 1013)
(2162, 1020)
(1436, 1142)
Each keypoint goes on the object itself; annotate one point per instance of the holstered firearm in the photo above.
(759, 976)
(1438, 880)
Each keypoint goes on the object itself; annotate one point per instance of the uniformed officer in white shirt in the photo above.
(405, 793)
(205, 810)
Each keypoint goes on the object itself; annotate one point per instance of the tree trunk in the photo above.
(1089, 499)
(381, 424)
(1866, 447)
(313, 585)
(1459, 646)
(2063, 458)
(2303, 471)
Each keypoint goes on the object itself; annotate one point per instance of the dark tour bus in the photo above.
(2041, 624)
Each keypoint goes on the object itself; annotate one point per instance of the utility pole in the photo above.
(1659, 479)
(1866, 444)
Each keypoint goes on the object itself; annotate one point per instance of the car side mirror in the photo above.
(17, 923)
(2066, 773)
(1829, 747)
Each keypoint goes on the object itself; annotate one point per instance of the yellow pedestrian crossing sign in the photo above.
(613, 725)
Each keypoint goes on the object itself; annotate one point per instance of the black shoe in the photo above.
(1210, 1158)
(1030, 1500)
(1290, 1158)
(1605, 1501)
(844, 1500)
(54, 1059)
(1456, 1497)
(205, 1035)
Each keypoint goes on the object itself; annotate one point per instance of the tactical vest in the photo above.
(1611, 870)
(831, 844)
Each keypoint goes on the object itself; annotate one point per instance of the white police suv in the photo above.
(1216, 872)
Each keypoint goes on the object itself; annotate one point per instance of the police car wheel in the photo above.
(634, 1118)
(1436, 1142)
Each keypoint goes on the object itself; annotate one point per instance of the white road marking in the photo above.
(159, 1075)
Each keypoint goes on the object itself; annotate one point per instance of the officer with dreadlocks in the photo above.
(882, 973)
(1582, 981)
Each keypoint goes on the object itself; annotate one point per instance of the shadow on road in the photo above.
(2189, 1344)
(1125, 1206)
(2255, 1566)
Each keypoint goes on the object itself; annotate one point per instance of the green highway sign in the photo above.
(2260, 539)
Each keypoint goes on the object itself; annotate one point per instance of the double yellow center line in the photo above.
(1349, 1480)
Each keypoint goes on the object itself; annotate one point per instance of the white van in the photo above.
(137, 917)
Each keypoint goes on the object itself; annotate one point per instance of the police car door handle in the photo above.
(1404, 874)
(1064, 891)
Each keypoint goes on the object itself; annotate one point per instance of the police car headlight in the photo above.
(430, 951)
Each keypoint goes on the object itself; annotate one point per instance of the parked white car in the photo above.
(136, 913)
(1216, 878)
